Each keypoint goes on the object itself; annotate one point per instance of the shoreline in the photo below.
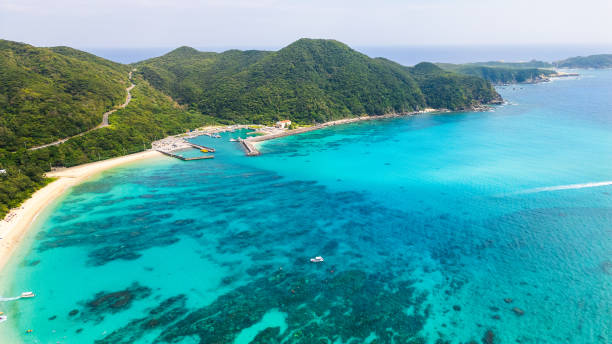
(18, 221)
(251, 150)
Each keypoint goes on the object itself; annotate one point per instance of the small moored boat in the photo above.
(3, 318)
(27, 294)
(317, 259)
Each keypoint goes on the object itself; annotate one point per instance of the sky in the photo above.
(275, 23)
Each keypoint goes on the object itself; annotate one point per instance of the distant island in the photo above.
(534, 71)
(593, 62)
(502, 73)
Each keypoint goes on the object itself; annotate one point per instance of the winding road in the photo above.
(101, 125)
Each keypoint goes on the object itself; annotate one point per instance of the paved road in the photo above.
(101, 125)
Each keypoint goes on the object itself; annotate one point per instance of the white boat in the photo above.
(3, 318)
(27, 294)
(233, 140)
(317, 259)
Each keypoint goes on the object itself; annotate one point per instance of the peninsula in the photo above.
(72, 105)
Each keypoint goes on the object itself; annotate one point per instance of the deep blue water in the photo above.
(461, 227)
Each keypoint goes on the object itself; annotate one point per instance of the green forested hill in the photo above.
(307, 81)
(52, 93)
(447, 90)
(592, 61)
(185, 72)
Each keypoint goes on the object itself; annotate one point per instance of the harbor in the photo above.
(170, 145)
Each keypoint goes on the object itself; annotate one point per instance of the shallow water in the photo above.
(432, 227)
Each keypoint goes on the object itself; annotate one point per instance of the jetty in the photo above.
(170, 145)
(249, 147)
(173, 143)
(180, 157)
(200, 147)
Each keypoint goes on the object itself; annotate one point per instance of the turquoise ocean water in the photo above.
(463, 227)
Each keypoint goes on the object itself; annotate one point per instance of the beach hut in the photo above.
(283, 124)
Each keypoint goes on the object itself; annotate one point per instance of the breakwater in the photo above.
(249, 148)
(180, 157)
(209, 149)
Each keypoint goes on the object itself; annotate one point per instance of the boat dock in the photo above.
(180, 157)
(172, 144)
(208, 149)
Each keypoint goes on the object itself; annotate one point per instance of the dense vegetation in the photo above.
(446, 90)
(52, 93)
(47, 94)
(502, 73)
(307, 81)
(592, 61)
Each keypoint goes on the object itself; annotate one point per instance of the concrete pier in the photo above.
(210, 149)
(249, 148)
(186, 159)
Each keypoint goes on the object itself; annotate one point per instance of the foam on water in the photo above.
(568, 187)
(419, 246)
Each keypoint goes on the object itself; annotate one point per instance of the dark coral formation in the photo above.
(361, 288)
(320, 309)
(105, 303)
(165, 314)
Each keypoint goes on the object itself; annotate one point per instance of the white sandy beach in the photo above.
(14, 226)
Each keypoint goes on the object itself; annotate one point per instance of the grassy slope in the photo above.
(52, 93)
(150, 116)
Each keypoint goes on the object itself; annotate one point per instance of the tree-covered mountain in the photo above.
(592, 61)
(52, 93)
(502, 72)
(307, 81)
